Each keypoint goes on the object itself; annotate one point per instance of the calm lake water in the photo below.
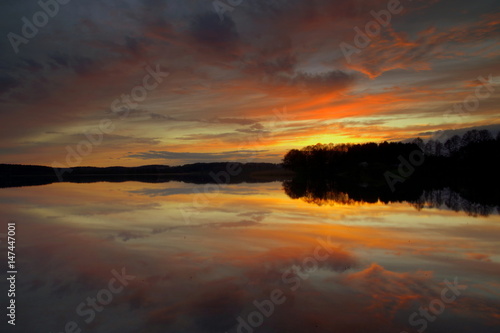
(176, 257)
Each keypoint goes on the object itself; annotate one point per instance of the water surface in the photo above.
(246, 258)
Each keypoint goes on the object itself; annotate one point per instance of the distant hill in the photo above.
(13, 175)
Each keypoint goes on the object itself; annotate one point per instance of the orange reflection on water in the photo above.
(334, 264)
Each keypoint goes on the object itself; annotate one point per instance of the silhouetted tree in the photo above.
(452, 145)
(295, 160)
(419, 142)
(485, 135)
(475, 136)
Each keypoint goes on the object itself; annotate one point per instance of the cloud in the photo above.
(157, 116)
(446, 134)
(393, 49)
(209, 31)
(187, 156)
(79, 64)
(7, 83)
(237, 121)
(31, 65)
(323, 82)
(479, 257)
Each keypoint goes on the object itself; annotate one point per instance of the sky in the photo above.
(135, 82)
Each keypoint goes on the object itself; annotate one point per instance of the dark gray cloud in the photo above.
(208, 30)
(237, 121)
(446, 134)
(7, 83)
(157, 116)
(325, 82)
(31, 65)
(79, 64)
(133, 45)
(187, 156)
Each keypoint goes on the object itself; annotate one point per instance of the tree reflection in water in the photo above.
(330, 192)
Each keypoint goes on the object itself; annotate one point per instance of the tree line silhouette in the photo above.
(467, 165)
(337, 157)
(460, 173)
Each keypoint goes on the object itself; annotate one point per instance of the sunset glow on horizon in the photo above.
(170, 82)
